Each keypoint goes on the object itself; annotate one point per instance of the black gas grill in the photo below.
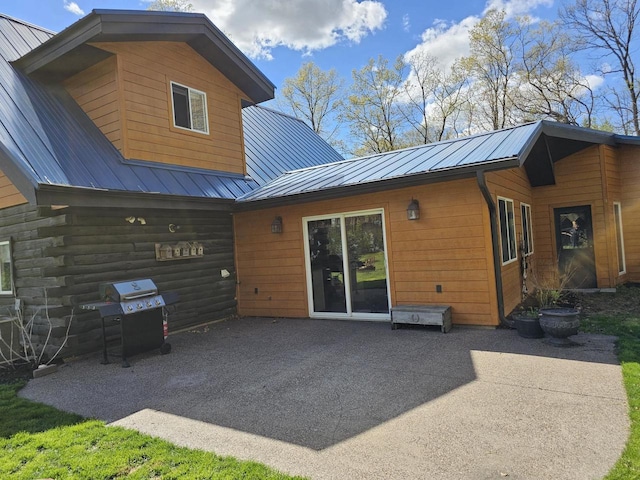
(141, 313)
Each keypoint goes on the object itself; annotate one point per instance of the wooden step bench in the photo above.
(422, 315)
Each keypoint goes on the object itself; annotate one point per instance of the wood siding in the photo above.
(143, 72)
(579, 181)
(630, 200)
(69, 252)
(450, 245)
(96, 91)
(9, 194)
(513, 184)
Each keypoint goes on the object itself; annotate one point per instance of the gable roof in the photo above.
(69, 52)
(536, 146)
(54, 154)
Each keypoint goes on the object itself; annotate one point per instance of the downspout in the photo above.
(493, 220)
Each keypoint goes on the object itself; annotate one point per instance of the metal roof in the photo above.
(500, 149)
(46, 140)
(69, 52)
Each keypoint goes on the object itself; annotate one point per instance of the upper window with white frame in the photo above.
(507, 230)
(6, 280)
(527, 229)
(189, 108)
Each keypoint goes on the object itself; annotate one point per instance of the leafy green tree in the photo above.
(608, 27)
(314, 96)
(372, 110)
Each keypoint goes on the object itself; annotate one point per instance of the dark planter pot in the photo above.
(559, 324)
(528, 327)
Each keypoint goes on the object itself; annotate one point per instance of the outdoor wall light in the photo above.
(413, 210)
(173, 228)
(276, 225)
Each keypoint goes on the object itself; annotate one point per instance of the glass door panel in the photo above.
(327, 265)
(367, 266)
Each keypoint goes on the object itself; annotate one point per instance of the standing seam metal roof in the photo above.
(52, 141)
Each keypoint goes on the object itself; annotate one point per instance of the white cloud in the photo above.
(259, 26)
(448, 40)
(406, 22)
(73, 8)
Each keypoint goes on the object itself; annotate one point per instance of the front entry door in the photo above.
(346, 266)
(574, 241)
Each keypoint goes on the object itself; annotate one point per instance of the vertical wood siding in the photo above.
(447, 246)
(144, 71)
(96, 91)
(9, 194)
(513, 184)
(70, 251)
(630, 195)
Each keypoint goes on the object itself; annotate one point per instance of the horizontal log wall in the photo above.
(61, 258)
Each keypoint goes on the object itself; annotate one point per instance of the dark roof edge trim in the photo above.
(20, 179)
(627, 139)
(572, 132)
(90, 197)
(377, 186)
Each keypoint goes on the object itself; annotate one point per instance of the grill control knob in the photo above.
(157, 302)
(140, 306)
(129, 307)
(149, 304)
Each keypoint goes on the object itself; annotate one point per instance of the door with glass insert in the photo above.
(346, 266)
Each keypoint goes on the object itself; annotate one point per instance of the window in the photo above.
(189, 108)
(527, 231)
(617, 214)
(6, 281)
(507, 230)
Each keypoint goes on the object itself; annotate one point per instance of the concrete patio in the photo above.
(335, 399)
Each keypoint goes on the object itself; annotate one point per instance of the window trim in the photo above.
(173, 108)
(513, 255)
(11, 290)
(617, 220)
(525, 214)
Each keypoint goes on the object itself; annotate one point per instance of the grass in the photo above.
(627, 328)
(38, 441)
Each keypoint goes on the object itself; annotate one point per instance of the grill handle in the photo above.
(124, 298)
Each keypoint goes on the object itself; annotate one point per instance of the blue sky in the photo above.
(279, 36)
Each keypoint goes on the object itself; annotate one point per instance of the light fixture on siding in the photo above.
(413, 210)
(276, 225)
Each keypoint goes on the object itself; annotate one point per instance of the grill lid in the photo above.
(128, 290)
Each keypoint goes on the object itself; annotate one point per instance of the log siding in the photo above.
(61, 256)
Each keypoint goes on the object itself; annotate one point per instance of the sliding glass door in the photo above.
(346, 265)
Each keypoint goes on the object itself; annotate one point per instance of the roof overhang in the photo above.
(424, 178)
(69, 52)
(91, 197)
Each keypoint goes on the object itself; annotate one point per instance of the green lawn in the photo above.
(627, 328)
(38, 441)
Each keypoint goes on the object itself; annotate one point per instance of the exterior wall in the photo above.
(139, 77)
(580, 180)
(96, 91)
(68, 252)
(9, 194)
(630, 195)
(450, 245)
(513, 184)
(612, 185)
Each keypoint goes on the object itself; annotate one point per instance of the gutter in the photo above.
(497, 268)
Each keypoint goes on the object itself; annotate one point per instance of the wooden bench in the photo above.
(422, 315)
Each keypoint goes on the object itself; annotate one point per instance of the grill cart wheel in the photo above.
(165, 348)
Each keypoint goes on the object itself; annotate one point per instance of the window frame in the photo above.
(11, 289)
(189, 108)
(511, 232)
(617, 220)
(527, 228)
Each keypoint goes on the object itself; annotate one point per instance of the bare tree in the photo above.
(552, 85)
(608, 26)
(314, 96)
(372, 110)
(171, 6)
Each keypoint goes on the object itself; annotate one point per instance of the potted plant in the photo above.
(527, 323)
(557, 320)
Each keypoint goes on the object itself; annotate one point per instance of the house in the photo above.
(125, 132)
(130, 132)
